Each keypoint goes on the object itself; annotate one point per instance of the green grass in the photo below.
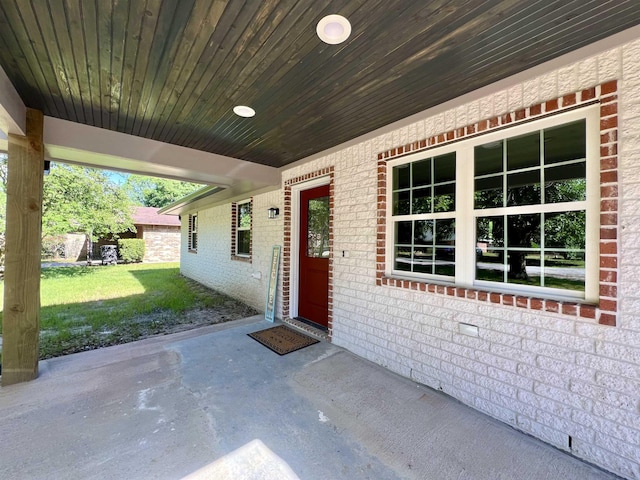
(552, 282)
(534, 260)
(90, 307)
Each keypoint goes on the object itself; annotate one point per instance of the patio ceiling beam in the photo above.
(21, 315)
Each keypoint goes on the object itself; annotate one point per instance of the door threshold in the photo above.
(309, 328)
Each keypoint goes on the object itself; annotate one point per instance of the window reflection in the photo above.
(523, 151)
(565, 143)
(318, 227)
(425, 246)
(546, 249)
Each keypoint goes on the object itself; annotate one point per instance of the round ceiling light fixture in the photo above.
(244, 111)
(333, 29)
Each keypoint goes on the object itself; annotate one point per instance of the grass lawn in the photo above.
(92, 307)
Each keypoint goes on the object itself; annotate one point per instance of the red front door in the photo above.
(313, 291)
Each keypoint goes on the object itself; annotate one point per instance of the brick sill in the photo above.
(572, 307)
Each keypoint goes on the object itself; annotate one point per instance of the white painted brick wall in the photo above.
(212, 265)
(550, 375)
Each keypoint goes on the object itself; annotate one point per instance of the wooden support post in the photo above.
(21, 315)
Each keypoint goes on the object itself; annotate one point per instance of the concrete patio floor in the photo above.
(214, 403)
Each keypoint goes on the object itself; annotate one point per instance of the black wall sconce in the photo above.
(273, 212)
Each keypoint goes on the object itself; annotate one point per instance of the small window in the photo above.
(242, 228)
(193, 233)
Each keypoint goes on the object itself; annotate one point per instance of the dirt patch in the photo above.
(163, 323)
(212, 308)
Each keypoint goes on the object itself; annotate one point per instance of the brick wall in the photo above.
(606, 96)
(554, 373)
(162, 243)
(214, 267)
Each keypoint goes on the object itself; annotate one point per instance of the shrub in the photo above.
(53, 246)
(131, 249)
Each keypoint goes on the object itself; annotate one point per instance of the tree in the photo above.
(84, 200)
(562, 230)
(157, 192)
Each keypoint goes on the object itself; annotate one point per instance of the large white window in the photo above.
(512, 210)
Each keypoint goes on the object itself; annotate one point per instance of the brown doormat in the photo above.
(282, 339)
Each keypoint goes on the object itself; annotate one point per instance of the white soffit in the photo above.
(12, 109)
(76, 143)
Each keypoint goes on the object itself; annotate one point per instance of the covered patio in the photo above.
(169, 87)
(213, 403)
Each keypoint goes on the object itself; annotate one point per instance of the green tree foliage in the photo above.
(564, 230)
(318, 227)
(157, 192)
(84, 200)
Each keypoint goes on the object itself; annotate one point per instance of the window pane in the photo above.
(523, 188)
(402, 258)
(401, 177)
(444, 168)
(403, 233)
(489, 192)
(523, 231)
(489, 249)
(490, 230)
(566, 142)
(421, 172)
(244, 215)
(445, 261)
(566, 183)
(318, 227)
(444, 198)
(445, 231)
(565, 230)
(519, 268)
(423, 234)
(421, 200)
(244, 242)
(523, 151)
(423, 260)
(491, 266)
(401, 203)
(488, 158)
(564, 270)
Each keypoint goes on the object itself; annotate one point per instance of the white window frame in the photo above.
(465, 214)
(193, 232)
(239, 229)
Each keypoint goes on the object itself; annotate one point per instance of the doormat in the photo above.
(282, 339)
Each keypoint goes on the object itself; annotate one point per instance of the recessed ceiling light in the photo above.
(333, 29)
(244, 111)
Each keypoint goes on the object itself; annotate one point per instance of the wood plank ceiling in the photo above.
(172, 70)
